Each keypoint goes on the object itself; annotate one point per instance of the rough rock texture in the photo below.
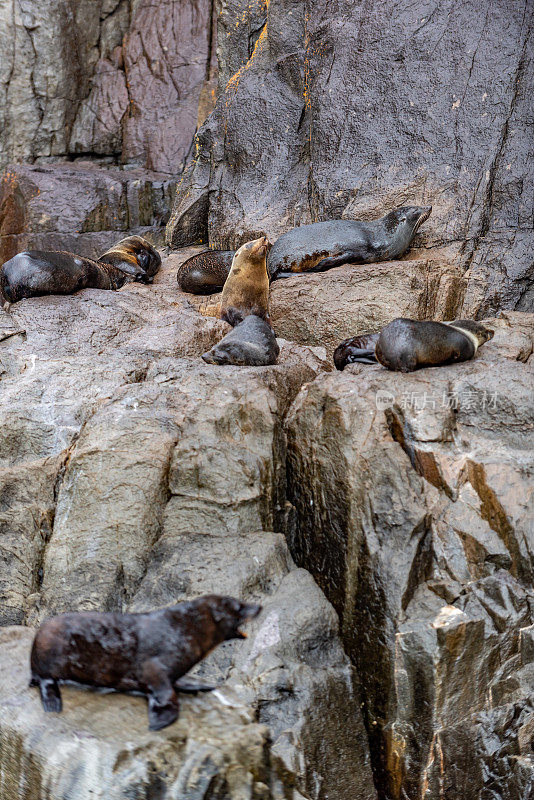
(284, 724)
(49, 53)
(79, 207)
(348, 110)
(124, 79)
(413, 510)
(134, 475)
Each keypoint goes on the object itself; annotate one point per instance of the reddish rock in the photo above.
(78, 206)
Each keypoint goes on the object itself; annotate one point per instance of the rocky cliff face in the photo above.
(134, 475)
(384, 521)
(348, 110)
(121, 79)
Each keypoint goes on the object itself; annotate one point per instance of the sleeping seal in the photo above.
(142, 653)
(252, 343)
(205, 273)
(39, 272)
(323, 245)
(406, 344)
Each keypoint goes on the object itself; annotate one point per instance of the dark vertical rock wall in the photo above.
(348, 109)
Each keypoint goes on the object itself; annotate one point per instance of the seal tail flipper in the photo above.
(192, 687)
(50, 694)
(363, 357)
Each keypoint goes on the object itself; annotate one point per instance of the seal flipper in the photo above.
(163, 705)
(362, 357)
(332, 261)
(192, 687)
(50, 694)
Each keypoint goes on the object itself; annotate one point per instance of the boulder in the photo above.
(413, 509)
(350, 111)
(79, 207)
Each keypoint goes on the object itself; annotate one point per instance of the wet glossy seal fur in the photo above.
(205, 273)
(246, 290)
(323, 245)
(252, 343)
(356, 349)
(141, 653)
(33, 273)
(406, 344)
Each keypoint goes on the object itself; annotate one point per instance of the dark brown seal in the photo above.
(205, 273)
(406, 344)
(39, 272)
(323, 245)
(134, 256)
(357, 349)
(142, 653)
(252, 343)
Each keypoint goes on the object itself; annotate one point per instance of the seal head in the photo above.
(401, 226)
(134, 256)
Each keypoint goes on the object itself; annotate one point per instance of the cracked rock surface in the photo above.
(80, 207)
(414, 511)
(124, 80)
(132, 476)
(348, 110)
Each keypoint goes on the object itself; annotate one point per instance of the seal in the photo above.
(140, 653)
(33, 273)
(205, 273)
(131, 255)
(323, 245)
(251, 343)
(357, 349)
(406, 344)
(246, 289)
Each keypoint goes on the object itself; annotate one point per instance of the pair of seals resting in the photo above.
(245, 305)
(314, 248)
(35, 272)
(141, 653)
(406, 345)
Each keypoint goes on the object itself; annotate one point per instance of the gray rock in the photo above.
(352, 111)
(413, 512)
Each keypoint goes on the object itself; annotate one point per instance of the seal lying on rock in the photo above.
(144, 653)
(205, 273)
(252, 343)
(134, 255)
(323, 245)
(357, 349)
(406, 344)
(39, 272)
